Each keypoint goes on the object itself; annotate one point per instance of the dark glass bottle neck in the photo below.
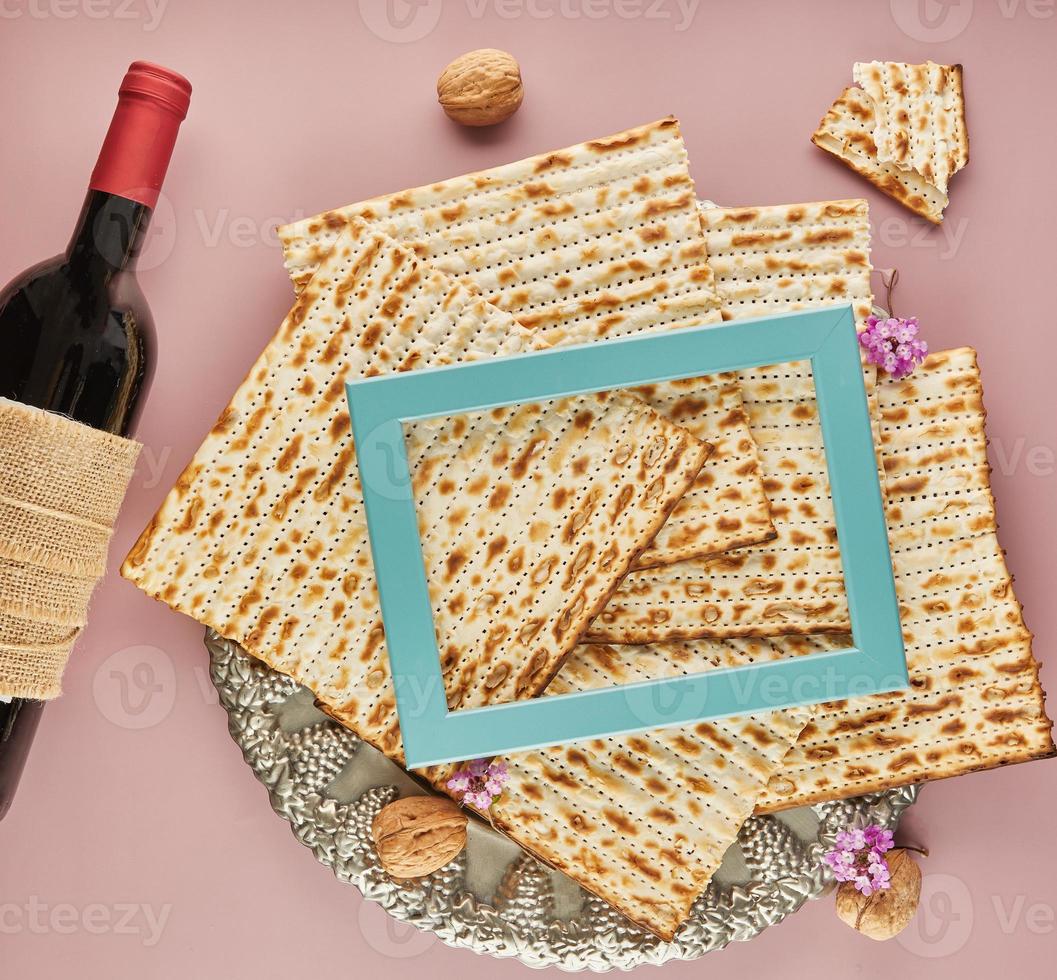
(109, 233)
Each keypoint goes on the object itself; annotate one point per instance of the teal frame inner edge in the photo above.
(379, 406)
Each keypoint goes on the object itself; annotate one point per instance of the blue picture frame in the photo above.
(379, 406)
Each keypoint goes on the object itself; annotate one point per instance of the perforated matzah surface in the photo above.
(528, 515)
(643, 821)
(920, 117)
(597, 240)
(722, 509)
(847, 131)
(975, 700)
(767, 260)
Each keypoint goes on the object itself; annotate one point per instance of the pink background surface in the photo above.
(302, 106)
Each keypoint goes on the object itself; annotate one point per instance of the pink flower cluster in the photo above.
(893, 344)
(859, 856)
(479, 783)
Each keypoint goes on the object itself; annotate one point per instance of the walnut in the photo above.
(481, 88)
(883, 914)
(419, 834)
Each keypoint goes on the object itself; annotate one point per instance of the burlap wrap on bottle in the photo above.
(61, 485)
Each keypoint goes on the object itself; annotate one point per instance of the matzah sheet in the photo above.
(643, 821)
(528, 516)
(975, 700)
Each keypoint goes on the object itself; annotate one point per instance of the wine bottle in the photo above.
(77, 335)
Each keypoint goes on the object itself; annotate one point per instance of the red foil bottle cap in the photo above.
(152, 102)
(150, 81)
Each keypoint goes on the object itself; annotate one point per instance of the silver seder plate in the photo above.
(495, 898)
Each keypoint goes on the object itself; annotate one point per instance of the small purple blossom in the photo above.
(878, 838)
(459, 783)
(858, 855)
(479, 783)
(893, 344)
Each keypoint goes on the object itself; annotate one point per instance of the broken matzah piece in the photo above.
(766, 260)
(847, 131)
(975, 700)
(528, 515)
(597, 240)
(920, 117)
(643, 820)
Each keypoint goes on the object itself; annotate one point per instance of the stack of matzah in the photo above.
(528, 516)
(263, 536)
(607, 812)
(603, 811)
(903, 129)
(766, 260)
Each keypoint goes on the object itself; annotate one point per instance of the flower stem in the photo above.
(889, 282)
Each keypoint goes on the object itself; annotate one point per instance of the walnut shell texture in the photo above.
(883, 914)
(481, 88)
(417, 835)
